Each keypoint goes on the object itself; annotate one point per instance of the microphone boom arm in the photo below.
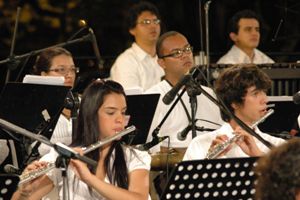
(60, 148)
(82, 39)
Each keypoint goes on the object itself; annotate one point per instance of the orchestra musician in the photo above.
(242, 88)
(121, 172)
(58, 61)
(175, 56)
(244, 32)
(137, 66)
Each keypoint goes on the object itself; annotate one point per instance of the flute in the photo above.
(98, 144)
(219, 148)
(26, 177)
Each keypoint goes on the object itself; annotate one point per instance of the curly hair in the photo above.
(278, 175)
(233, 83)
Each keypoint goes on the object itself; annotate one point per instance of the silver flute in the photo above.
(26, 177)
(219, 148)
(98, 144)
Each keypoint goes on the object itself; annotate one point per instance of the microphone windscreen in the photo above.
(296, 98)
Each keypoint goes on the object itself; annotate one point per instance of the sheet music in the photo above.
(44, 80)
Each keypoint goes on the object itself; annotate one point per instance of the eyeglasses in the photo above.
(64, 70)
(179, 52)
(149, 21)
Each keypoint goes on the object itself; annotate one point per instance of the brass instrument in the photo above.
(219, 148)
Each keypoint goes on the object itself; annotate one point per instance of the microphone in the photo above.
(182, 134)
(156, 140)
(10, 169)
(72, 101)
(95, 48)
(296, 98)
(169, 97)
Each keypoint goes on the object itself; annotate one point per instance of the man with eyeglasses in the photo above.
(175, 56)
(137, 66)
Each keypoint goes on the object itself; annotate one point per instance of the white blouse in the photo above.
(135, 159)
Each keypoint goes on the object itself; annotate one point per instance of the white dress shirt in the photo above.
(199, 146)
(236, 56)
(178, 120)
(62, 133)
(135, 68)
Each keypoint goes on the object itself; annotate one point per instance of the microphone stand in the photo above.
(206, 8)
(11, 60)
(72, 102)
(193, 92)
(157, 129)
(87, 37)
(201, 53)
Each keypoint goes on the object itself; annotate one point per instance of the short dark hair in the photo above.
(233, 25)
(135, 11)
(232, 84)
(44, 59)
(278, 176)
(161, 39)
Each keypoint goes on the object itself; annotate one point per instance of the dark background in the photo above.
(45, 23)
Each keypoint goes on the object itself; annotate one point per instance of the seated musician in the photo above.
(244, 32)
(242, 88)
(278, 173)
(58, 61)
(121, 172)
(175, 56)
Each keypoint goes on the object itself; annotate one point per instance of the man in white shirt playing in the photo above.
(176, 58)
(137, 66)
(244, 31)
(242, 88)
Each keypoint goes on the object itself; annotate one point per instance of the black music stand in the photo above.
(141, 109)
(231, 178)
(284, 117)
(8, 185)
(25, 105)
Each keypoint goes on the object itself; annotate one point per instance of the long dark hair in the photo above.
(87, 131)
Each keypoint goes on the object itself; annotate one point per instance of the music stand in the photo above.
(8, 185)
(284, 117)
(141, 109)
(230, 178)
(26, 105)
